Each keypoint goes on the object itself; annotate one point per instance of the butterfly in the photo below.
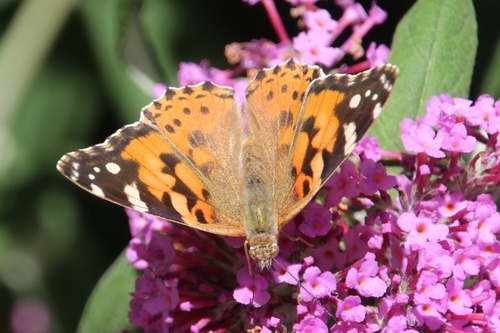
(197, 158)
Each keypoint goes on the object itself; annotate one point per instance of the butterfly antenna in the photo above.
(307, 291)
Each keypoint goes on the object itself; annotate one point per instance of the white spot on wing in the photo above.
(97, 190)
(113, 168)
(134, 197)
(350, 137)
(97, 169)
(368, 92)
(74, 175)
(355, 100)
(377, 110)
(75, 165)
(91, 176)
(375, 97)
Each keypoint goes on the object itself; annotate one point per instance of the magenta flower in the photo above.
(451, 203)
(310, 324)
(369, 147)
(328, 256)
(253, 289)
(154, 299)
(428, 312)
(377, 55)
(467, 262)
(319, 19)
(191, 73)
(484, 220)
(376, 15)
(365, 280)
(457, 140)
(434, 109)
(428, 286)
(314, 48)
(437, 259)
(286, 273)
(350, 309)
(421, 229)
(484, 114)
(421, 139)
(375, 178)
(342, 184)
(316, 220)
(317, 284)
(459, 300)
(458, 107)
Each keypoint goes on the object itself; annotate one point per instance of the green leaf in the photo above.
(107, 308)
(434, 47)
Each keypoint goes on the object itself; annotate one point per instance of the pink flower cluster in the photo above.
(425, 258)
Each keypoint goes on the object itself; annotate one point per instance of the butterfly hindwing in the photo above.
(203, 123)
(274, 101)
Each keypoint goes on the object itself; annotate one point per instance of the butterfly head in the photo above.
(263, 248)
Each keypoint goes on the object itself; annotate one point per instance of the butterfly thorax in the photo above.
(258, 212)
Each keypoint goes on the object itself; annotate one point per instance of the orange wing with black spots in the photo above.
(172, 162)
(337, 111)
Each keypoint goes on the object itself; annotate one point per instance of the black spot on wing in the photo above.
(306, 187)
(270, 95)
(207, 168)
(308, 127)
(285, 118)
(170, 161)
(204, 110)
(169, 128)
(169, 94)
(200, 216)
(260, 76)
(333, 159)
(291, 64)
(306, 167)
(187, 90)
(276, 69)
(197, 138)
(208, 86)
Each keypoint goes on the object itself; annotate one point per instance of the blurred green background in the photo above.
(71, 73)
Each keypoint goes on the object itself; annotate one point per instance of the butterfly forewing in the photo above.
(173, 162)
(336, 112)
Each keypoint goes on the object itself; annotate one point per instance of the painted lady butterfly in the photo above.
(195, 158)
